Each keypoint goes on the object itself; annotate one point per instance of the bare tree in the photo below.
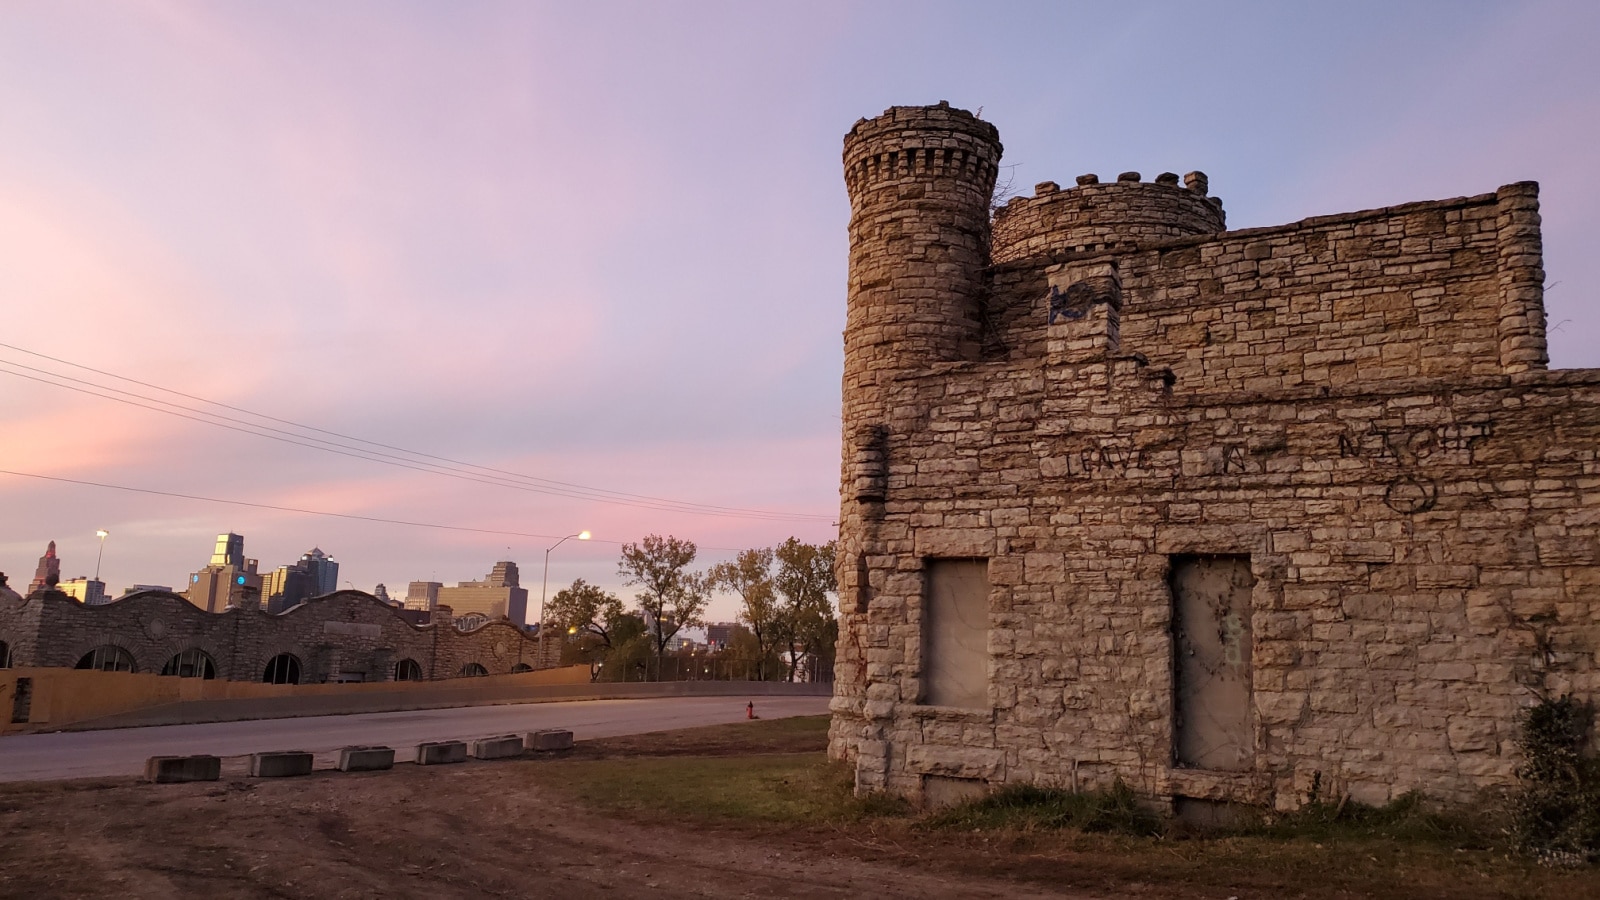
(670, 596)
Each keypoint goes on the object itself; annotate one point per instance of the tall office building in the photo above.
(287, 587)
(497, 595)
(323, 570)
(229, 580)
(423, 595)
(49, 571)
(229, 550)
(88, 591)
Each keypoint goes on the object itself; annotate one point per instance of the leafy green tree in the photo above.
(750, 576)
(587, 608)
(669, 594)
(804, 581)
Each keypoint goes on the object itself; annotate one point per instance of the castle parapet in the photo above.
(1093, 216)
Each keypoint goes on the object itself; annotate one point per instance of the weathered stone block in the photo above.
(436, 753)
(955, 762)
(502, 747)
(177, 769)
(548, 740)
(283, 764)
(366, 759)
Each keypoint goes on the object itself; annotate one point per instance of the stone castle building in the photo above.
(1222, 514)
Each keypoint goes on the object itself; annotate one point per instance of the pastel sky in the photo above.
(603, 243)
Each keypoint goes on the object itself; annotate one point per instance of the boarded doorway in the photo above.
(1211, 665)
(955, 634)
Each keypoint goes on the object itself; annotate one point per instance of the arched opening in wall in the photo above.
(282, 669)
(521, 667)
(191, 663)
(107, 658)
(472, 670)
(5, 655)
(407, 670)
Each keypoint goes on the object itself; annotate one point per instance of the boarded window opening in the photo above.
(1211, 645)
(955, 633)
(22, 702)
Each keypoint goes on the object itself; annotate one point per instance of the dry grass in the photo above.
(1098, 843)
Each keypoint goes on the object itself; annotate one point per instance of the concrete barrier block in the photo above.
(552, 739)
(366, 759)
(175, 769)
(283, 764)
(436, 753)
(501, 747)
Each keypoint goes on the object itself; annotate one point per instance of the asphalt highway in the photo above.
(122, 751)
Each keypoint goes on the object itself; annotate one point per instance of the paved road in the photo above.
(122, 751)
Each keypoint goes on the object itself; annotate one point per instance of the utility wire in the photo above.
(495, 477)
(314, 512)
(357, 453)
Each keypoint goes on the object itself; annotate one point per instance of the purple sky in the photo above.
(604, 243)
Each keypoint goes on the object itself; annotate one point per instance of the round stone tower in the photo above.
(920, 180)
(1095, 216)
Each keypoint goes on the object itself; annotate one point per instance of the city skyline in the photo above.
(605, 245)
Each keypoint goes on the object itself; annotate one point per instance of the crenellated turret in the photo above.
(1094, 216)
(920, 180)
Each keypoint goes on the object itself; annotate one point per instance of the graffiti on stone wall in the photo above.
(1407, 446)
(1074, 302)
(1094, 460)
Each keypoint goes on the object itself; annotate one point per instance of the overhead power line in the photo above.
(360, 448)
(313, 512)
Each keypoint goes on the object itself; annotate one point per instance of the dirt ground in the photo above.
(517, 828)
(481, 829)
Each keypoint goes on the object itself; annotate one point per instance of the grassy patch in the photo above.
(787, 788)
(1027, 808)
(797, 734)
(1096, 842)
(769, 771)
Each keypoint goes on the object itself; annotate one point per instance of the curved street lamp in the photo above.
(544, 587)
(101, 534)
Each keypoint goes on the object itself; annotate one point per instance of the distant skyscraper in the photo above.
(423, 595)
(287, 587)
(88, 591)
(382, 593)
(324, 571)
(49, 571)
(230, 579)
(495, 596)
(230, 550)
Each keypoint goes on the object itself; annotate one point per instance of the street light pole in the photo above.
(544, 587)
(101, 534)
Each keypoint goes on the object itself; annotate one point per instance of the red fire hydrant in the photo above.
(750, 710)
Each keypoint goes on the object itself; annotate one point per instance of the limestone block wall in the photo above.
(345, 634)
(1353, 409)
(1406, 291)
